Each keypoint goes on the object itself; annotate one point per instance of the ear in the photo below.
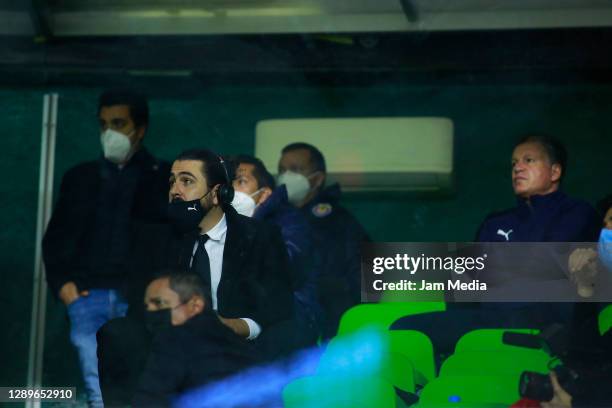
(556, 173)
(215, 195)
(266, 192)
(318, 179)
(196, 305)
(140, 132)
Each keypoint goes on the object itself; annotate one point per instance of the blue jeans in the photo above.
(87, 314)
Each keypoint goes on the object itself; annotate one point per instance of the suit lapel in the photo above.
(239, 238)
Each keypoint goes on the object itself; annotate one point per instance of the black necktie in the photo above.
(201, 262)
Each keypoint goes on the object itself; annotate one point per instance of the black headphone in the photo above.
(226, 191)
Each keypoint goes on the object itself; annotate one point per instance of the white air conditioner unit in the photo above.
(369, 154)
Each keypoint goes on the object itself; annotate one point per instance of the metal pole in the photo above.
(45, 204)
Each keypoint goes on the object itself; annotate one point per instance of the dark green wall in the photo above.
(20, 155)
(487, 119)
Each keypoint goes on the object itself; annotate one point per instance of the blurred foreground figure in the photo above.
(190, 347)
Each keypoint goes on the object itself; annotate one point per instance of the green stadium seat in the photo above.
(488, 340)
(417, 347)
(468, 391)
(495, 363)
(605, 320)
(382, 315)
(331, 391)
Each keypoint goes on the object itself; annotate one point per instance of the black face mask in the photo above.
(186, 215)
(156, 321)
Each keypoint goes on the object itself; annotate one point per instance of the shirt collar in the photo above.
(217, 233)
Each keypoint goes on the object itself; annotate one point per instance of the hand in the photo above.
(69, 293)
(238, 326)
(561, 399)
(579, 258)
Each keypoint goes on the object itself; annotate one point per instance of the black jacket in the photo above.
(255, 278)
(72, 235)
(181, 358)
(338, 237)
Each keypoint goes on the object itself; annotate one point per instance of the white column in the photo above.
(45, 206)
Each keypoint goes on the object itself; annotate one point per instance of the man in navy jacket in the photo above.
(543, 212)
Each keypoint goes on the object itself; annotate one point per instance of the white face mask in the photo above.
(244, 203)
(297, 186)
(116, 146)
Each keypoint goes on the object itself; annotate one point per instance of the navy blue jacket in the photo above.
(337, 243)
(297, 235)
(554, 217)
(338, 235)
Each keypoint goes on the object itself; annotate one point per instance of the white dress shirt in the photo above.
(214, 248)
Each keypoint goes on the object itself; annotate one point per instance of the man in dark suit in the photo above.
(243, 260)
(190, 346)
(244, 264)
(87, 245)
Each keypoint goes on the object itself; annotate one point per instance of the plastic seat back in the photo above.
(417, 347)
(331, 391)
(495, 363)
(382, 315)
(468, 391)
(489, 340)
(605, 320)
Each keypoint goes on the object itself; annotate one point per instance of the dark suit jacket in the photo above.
(255, 279)
(70, 231)
(201, 351)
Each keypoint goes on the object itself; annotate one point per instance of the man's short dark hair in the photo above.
(556, 152)
(214, 172)
(260, 173)
(185, 284)
(316, 157)
(139, 109)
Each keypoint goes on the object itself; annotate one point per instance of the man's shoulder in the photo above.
(332, 216)
(82, 169)
(500, 216)
(153, 163)
(82, 175)
(247, 225)
(200, 329)
(570, 204)
(328, 210)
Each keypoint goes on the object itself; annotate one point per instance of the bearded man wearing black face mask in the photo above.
(190, 346)
(243, 261)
